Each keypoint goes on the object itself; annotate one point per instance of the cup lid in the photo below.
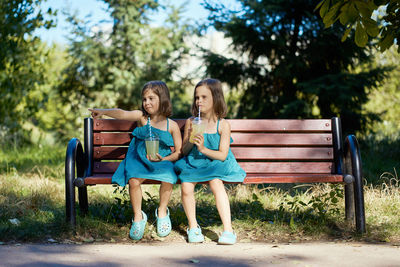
(152, 136)
(197, 120)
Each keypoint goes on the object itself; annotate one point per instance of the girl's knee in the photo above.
(216, 184)
(166, 185)
(134, 182)
(187, 188)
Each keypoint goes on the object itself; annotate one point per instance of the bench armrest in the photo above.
(74, 158)
(353, 166)
(352, 157)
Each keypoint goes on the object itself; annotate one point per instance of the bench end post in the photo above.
(74, 157)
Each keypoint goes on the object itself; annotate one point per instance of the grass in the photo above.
(378, 157)
(32, 191)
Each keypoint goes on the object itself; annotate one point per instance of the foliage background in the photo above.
(281, 63)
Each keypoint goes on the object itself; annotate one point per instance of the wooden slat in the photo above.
(105, 178)
(249, 167)
(237, 125)
(112, 125)
(269, 139)
(102, 139)
(283, 153)
(247, 125)
(109, 152)
(240, 139)
(250, 179)
(98, 179)
(105, 167)
(292, 178)
(241, 153)
(287, 167)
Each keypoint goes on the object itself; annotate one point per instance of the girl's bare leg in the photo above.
(135, 194)
(189, 203)
(165, 195)
(222, 202)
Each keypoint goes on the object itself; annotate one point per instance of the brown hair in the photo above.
(215, 87)
(162, 91)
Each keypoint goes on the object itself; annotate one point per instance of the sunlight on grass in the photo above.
(38, 203)
(32, 192)
(45, 160)
(383, 207)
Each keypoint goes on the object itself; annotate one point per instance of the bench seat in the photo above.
(269, 150)
(251, 178)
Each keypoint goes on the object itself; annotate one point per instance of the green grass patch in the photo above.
(32, 207)
(46, 160)
(379, 156)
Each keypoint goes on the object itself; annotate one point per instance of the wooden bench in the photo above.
(270, 151)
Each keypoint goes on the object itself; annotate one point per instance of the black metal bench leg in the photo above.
(83, 200)
(359, 204)
(70, 199)
(349, 201)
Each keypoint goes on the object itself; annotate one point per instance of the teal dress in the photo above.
(196, 167)
(136, 165)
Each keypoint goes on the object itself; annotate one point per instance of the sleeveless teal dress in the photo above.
(196, 167)
(136, 165)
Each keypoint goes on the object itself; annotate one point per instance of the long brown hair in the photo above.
(162, 91)
(215, 87)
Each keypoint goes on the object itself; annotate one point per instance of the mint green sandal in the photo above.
(195, 235)
(137, 228)
(227, 238)
(164, 225)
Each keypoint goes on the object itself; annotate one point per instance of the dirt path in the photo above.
(206, 254)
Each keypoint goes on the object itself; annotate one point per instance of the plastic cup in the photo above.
(198, 127)
(152, 145)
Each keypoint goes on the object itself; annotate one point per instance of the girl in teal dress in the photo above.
(208, 158)
(138, 166)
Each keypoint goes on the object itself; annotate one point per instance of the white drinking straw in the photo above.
(199, 113)
(149, 125)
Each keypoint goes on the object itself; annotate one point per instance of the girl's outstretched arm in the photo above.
(117, 113)
(224, 143)
(177, 137)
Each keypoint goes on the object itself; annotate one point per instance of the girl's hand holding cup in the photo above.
(155, 159)
(198, 140)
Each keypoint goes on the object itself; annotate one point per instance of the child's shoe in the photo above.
(137, 228)
(195, 235)
(227, 238)
(164, 225)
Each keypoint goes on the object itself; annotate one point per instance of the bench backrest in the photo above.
(289, 146)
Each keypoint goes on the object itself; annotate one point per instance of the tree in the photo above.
(290, 67)
(21, 62)
(386, 99)
(109, 69)
(378, 20)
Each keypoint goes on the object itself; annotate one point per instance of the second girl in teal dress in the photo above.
(208, 157)
(196, 167)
